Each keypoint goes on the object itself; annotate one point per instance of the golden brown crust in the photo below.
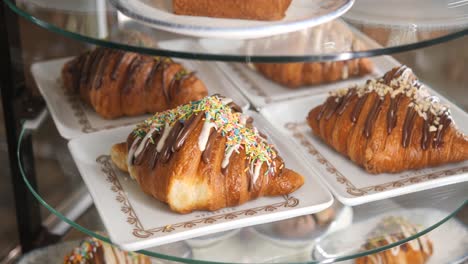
(117, 83)
(186, 182)
(295, 75)
(368, 142)
(241, 9)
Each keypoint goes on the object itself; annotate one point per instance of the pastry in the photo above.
(241, 9)
(298, 227)
(393, 229)
(205, 155)
(294, 75)
(389, 125)
(117, 83)
(94, 251)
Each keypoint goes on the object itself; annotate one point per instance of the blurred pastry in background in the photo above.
(93, 251)
(393, 229)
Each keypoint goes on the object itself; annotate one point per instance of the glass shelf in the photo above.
(343, 238)
(98, 22)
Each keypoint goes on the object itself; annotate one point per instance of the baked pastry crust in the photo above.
(295, 75)
(241, 9)
(204, 156)
(94, 251)
(117, 83)
(389, 125)
(393, 229)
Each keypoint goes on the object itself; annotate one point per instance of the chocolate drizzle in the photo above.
(357, 109)
(331, 109)
(391, 114)
(345, 102)
(408, 127)
(372, 117)
(189, 126)
(445, 122)
(132, 69)
(426, 136)
(118, 62)
(149, 80)
(168, 149)
(209, 146)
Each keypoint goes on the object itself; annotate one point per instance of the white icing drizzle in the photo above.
(205, 134)
(255, 171)
(390, 240)
(226, 100)
(131, 152)
(424, 244)
(407, 233)
(375, 258)
(162, 141)
(243, 119)
(345, 72)
(227, 155)
(144, 142)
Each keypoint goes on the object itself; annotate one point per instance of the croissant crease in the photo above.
(117, 83)
(294, 75)
(204, 156)
(389, 125)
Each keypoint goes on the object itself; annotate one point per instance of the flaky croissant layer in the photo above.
(204, 156)
(389, 125)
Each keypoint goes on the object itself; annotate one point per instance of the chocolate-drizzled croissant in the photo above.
(391, 230)
(117, 83)
(204, 156)
(294, 75)
(389, 125)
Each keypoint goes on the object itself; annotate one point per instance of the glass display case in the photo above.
(361, 223)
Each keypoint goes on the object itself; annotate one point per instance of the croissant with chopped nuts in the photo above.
(205, 155)
(117, 83)
(389, 125)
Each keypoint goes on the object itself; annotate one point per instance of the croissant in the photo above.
(393, 229)
(294, 75)
(205, 155)
(390, 125)
(94, 251)
(117, 83)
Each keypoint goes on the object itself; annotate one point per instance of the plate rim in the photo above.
(339, 191)
(143, 243)
(232, 32)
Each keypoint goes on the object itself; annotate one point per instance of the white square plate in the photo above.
(351, 184)
(74, 118)
(262, 91)
(137, 221)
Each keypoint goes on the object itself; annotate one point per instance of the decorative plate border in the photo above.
(141, 232)
(77, 106)
(351, 189)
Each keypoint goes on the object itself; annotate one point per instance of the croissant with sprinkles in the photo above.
(205, 155)
(390, 124)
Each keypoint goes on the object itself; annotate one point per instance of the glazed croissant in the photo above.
(204, 156)
(94, 251)
(117, 83)
(393, 229)
(294, 75)
(389, 125)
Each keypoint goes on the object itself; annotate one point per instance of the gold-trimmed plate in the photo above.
(351, 184)
(137, 221)
(74, 118)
